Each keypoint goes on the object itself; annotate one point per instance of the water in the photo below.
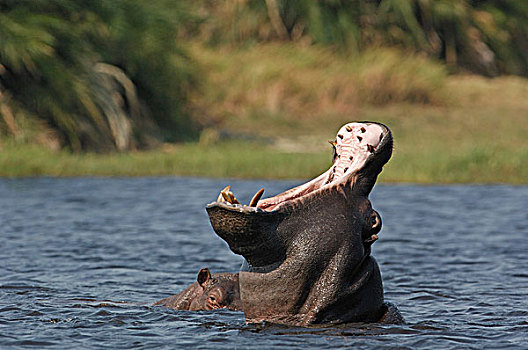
(82, 260)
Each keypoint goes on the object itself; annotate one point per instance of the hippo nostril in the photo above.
(363, 130)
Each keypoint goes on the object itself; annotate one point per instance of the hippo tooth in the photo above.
(256, 198)
(224, 196)
(227, 196)
(232, 198)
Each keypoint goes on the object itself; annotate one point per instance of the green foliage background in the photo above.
(101, 74)
(117, 75)
(484, 36)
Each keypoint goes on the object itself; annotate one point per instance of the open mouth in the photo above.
(356, 146)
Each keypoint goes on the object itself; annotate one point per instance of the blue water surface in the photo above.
(83, 259)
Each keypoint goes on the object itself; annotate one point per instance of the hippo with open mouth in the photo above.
(308, 248)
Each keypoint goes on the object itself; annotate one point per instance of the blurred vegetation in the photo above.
(97, 75)
(277, 89)
(488, 37)
(127, 75)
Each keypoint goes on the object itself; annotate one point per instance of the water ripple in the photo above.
(84, 259)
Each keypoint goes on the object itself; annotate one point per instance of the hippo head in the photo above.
(220, 291)
(308, 248)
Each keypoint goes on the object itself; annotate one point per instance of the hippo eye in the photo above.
(212, 299)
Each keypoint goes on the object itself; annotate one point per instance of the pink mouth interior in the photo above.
(353, 145)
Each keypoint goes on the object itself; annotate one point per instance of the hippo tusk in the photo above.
(256, 198)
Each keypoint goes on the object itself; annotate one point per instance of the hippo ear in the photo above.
(203, 276)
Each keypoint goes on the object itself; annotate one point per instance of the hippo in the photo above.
(209, 292)
(308, 249)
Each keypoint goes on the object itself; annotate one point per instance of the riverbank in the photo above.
(270, 109)
(436, 151)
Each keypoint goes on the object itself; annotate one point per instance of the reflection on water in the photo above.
(82, 260)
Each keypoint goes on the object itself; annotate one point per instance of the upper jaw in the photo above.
(362, 149)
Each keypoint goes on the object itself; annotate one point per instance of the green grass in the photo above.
(227, 159)
(291, 100)
(278, 89)
(467, 163)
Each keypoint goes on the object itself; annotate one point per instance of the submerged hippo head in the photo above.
(209, 292)
(218, 292)
(308, 248)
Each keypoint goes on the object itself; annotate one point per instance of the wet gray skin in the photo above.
(308, 249)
